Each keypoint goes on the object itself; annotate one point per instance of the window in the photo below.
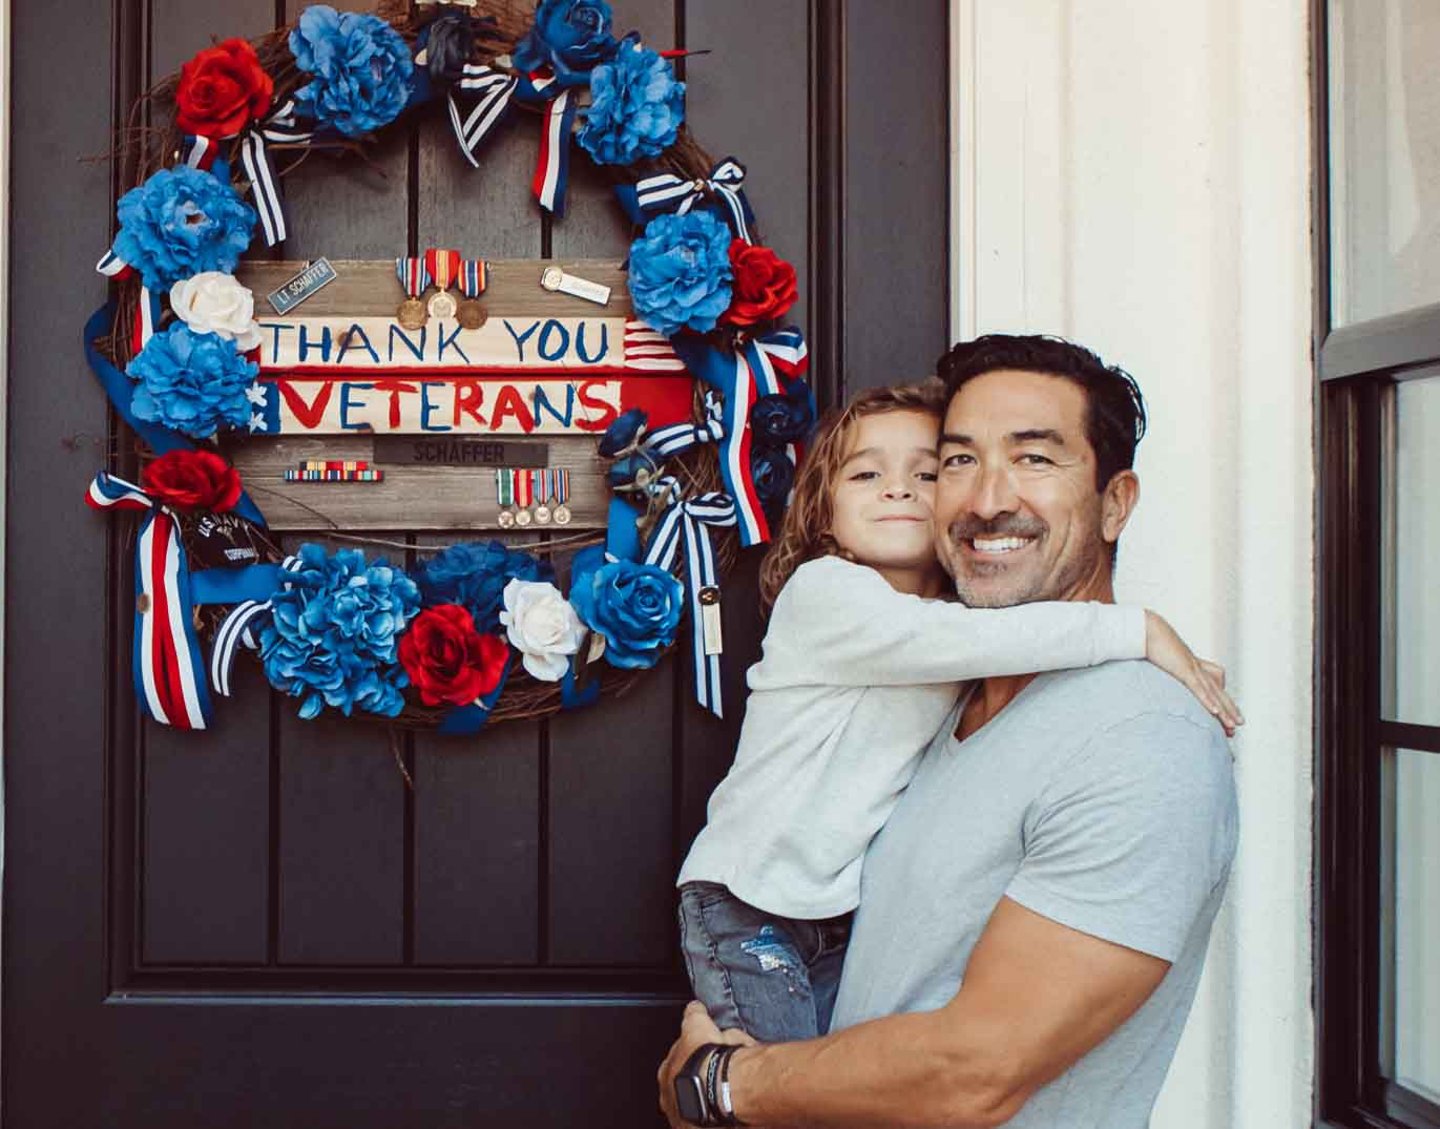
(1378, 340)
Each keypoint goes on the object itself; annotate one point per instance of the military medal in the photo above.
(474, 277)
(524, 496)
(414, 276)
(553, 278)
(504, 498)
(561, 513)
(443, 266)
(540, 479)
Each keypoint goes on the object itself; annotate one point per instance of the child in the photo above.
(859, 671)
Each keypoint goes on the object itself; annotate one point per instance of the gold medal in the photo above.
(411, 314)
(414, 277)
(471, 315)
(474, 278)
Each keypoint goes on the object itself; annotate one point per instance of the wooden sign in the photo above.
(442, 407)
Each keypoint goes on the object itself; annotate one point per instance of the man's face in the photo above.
(1017, 514)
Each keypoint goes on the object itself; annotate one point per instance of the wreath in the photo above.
(481, 631)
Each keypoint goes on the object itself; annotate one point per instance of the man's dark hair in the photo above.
(1115, 410)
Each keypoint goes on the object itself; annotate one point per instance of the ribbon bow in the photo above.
(741, 378)
(482, 98)
(688, 521)
(279, 127)
(664, 442)
(167, 667)
(666, 192)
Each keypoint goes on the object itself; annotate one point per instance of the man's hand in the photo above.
(696, 1029)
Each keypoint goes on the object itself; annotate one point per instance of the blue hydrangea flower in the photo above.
(569, 37)
(680, 272)
(636, 106)
(361, 66)
(473, 574)
(182, 222)
(331, 637)
(192, 382)
(637, 607)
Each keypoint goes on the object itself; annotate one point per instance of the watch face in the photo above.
(689, 1100)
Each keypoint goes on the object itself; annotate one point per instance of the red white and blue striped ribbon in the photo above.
(167, 667)
(552, 172)
(667, 192)
(493, 93)
(413, 274)
(147, 312)
(199, 151)
(741, 378)
(687, 523)
(474, 277)
(238, 630)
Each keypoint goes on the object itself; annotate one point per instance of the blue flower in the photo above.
(474, 575)
(786, 418)
(773, 474)
(622, 432)
(636, 106)
(680, 272)
(182, 222)
(330, 638)
(361, 67)
(192, 382)
(637, 607)
(568, 36)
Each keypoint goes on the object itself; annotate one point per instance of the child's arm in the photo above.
(842, 624)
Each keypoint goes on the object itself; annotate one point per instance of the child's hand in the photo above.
(1206, 680)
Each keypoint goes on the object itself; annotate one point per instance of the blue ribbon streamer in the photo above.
(121, 391)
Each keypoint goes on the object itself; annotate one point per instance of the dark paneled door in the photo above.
(263, 925)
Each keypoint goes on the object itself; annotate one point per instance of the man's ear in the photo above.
(1122, 495)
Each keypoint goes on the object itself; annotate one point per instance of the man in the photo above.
(1034, 916)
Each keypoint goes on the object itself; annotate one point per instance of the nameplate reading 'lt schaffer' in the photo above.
(334, 374)
(405, 451)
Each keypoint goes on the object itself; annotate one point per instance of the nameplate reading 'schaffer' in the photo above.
(403, 451)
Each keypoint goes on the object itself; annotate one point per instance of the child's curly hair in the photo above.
(805, 533)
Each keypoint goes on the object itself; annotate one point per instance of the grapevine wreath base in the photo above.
(477, 632)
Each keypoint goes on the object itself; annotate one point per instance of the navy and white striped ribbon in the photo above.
(664, 442)
(239, 630)
(166, 665)
(686, 523)
(667, 192)
(479, 101)
(279, 128)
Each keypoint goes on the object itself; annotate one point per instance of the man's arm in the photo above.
(1037, 996)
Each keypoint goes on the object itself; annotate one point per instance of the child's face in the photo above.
(884, 494)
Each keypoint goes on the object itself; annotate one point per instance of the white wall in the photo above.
(1135, 175)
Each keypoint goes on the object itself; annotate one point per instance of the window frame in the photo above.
(1356, 366)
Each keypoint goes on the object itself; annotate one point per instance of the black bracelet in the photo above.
(724, 1106)
(712, 1087)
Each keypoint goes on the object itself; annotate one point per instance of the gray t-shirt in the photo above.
(1102, 799)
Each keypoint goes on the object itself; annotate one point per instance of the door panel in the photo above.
(265, 924)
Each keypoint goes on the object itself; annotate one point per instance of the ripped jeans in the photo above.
(774, 976)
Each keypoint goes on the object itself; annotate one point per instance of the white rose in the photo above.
(213, 302)
(543, 627)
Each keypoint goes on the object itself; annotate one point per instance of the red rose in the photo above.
(448, 661)
(765, 285)
(222, 90)
(193, 480)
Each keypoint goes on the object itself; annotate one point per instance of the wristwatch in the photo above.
(702, 1087)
